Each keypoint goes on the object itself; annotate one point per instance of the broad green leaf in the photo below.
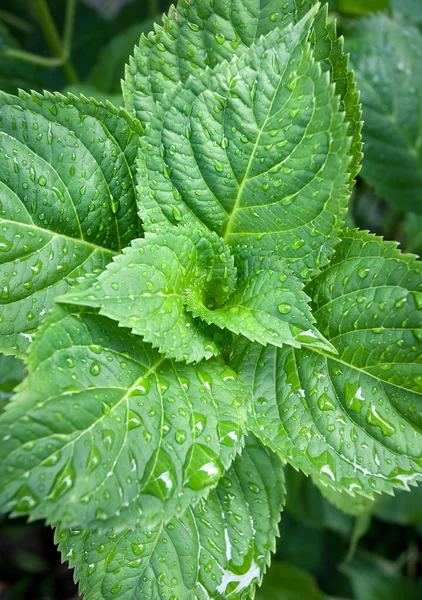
(194, 37)
(147, 287)
(413, 233)
(368, 582)
(287, 582)
(329, 52)
(268, 305)
(405, 508)
(386, 56)
(67, 201)
(218, 549)
(410, 11)
(105, 432)
(352, 420)
(92, 92)
(261, 164)
(348, 504)
(362, 7)
(11, 373)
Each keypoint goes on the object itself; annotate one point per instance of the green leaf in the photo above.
(67, 201)
(350, 505)
(362, 7)
(264, 306)
(386, 56)
(413, 233)
(409, 11)
(194, 37)
(11, 373)
(106, 433)
(92, 92)
(405, 508)
(262, 165)
(154, 283)
(218, 549)
(329, 52)
(146, 288)
(286, 582)
(351, 420)
(368, 582)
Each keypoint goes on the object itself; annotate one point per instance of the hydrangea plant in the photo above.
(191, 310)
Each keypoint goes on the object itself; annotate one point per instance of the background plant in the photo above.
(345, 407)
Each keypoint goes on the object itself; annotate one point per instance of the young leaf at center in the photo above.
(164, 279)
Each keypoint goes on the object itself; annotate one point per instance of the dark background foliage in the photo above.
(322, 552)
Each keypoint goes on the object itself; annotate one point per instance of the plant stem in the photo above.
(360, 527)
(35, 59)
(154, 7)
(50, 32)
(68, 25)
(15, 21)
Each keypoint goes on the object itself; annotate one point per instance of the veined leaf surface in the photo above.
(409, 11)
(386, 56)
(11, 373)
(268, 304)
(164, 279)
(218, 549)
(257, 151)
(105, 432)
(67, 201)
(352, 420)
(147, 288)
(195, 36)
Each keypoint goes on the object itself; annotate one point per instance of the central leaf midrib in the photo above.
(252, 157)
(62, 236)
(351, 366)
(95, 423)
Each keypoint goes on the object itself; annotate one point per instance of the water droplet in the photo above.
(326, 403)
(202, 468)
(180, 436)
(354, 396)
(5, 245)
(401, 302)
(95, 369)
(285, 309)
(374, 418)
(108, 437)
(64, 481)
(138, 549)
